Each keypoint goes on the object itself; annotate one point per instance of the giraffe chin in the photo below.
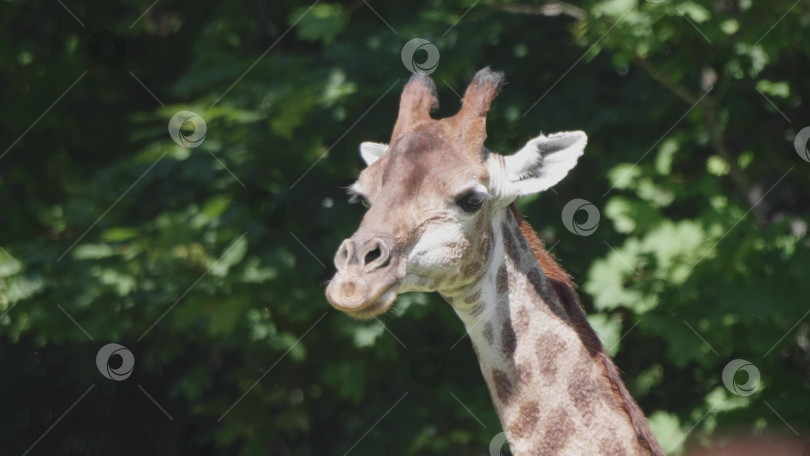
(353, 305)
(376, 308)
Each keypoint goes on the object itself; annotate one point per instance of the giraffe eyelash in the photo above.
(355, 197)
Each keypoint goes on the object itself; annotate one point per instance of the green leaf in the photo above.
(216, 205)
(716, 166)
(225, 314)
(366, 336)
(614, 7)
(696, 12)
(666, 153)
(119, 234)
(666, 427)
(8, 264)
(629, 215)
(93, 251)
(648, 379)
(730, 26)
(776, 89)
(323, 22)
(623, 176)
(608, 329)
(233, 255)
(123, 283)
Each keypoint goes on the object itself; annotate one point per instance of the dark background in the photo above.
(701, 255)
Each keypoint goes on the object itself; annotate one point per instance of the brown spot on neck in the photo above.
(549, 350)
(508, 339)
(609, 446)
(488, 332)
(557, 434)
(522, 320)
(586, 391)
(503, 386)
(523, 425)
(502, 281)
(524, 374)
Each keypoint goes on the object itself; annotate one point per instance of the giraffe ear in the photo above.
(542, 162)
(371, 151)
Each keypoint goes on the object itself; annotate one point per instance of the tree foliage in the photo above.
(208, 262)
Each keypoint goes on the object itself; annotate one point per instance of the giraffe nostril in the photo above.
(372, 255)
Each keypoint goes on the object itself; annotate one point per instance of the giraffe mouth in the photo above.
(359, 299)
(378, 307)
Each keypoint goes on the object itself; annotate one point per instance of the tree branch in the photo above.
(553, 8)
(680, 91)
(708, 106)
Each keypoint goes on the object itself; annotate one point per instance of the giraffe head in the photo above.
(432, 194)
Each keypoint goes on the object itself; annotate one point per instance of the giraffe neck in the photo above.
(554, 388)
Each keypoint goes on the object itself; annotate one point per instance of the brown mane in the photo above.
(566, 291)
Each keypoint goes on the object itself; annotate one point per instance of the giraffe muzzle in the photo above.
(364, 283)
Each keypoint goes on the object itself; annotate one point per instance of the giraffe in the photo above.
(441, 217)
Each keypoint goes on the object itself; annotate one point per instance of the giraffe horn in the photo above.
(419, 98)
(477, 100)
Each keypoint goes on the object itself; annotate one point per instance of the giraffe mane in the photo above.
(565, 288)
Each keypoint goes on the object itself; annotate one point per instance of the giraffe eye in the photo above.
(470, 202)
(360, 199)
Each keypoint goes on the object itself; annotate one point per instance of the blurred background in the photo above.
(172, 181)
